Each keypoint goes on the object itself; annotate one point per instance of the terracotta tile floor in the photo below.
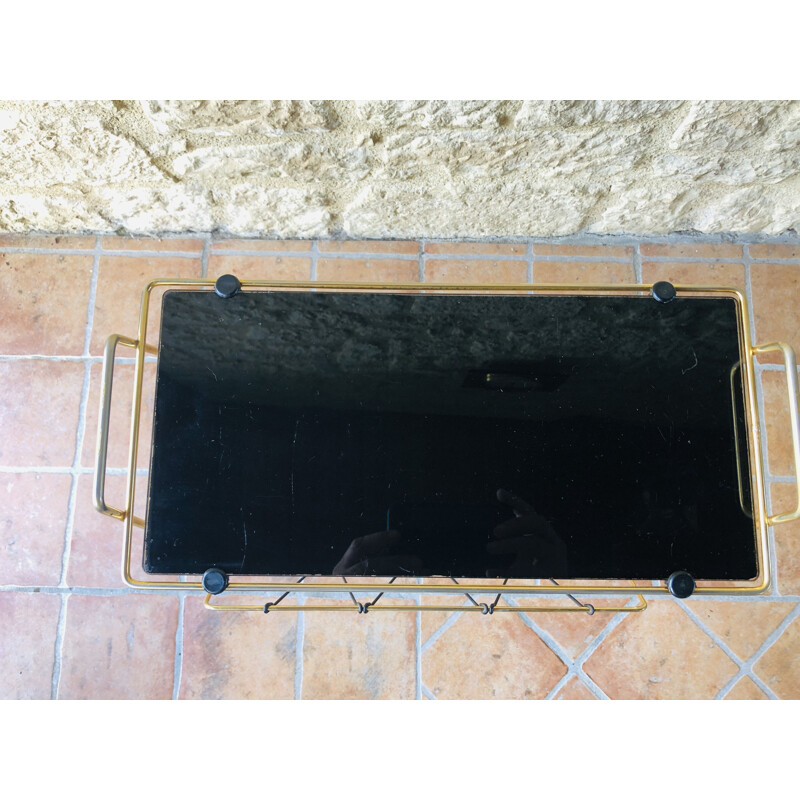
(68, 627)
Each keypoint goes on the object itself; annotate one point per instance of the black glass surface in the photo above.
(414, 434)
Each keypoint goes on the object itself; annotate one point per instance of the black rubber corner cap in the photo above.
(664, 292)
(681, 584)
(215, 581)
(227, 286)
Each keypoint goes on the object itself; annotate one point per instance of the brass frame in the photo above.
(748, 351)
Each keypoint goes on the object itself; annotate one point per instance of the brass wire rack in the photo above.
(345, 591)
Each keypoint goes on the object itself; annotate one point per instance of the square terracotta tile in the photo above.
(490, 657)
(659, 654)
(775, 251)
(706, 274)
(39, 407)
(783, 498)
(120, 283)
(745, 689)
(95, 556)
(691, 250)
(237, 655)
(272, 245)
(599, 272)
(28, 623)
(45, 301)
(153, 244)
(778, 423)
(33, 519)
(776, 288)
(57, 242)
(478, 271)
(119, 429)
(582, 250)
(385, 270)
(477, 248)
(779, 667)
(743, 626)
(260, 268)
(119, 647)
(352, 656)
(406, 248)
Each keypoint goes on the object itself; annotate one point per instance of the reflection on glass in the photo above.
(467, 436)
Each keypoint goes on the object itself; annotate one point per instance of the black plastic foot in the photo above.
(227, 286)
(680, 584)
(215, 581)
(664, 292)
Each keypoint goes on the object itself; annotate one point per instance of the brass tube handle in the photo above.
(790, 361)
(745, 510)
(101, 453)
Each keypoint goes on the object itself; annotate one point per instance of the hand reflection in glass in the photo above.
(370, 555)
(529, 537)
(528, 541)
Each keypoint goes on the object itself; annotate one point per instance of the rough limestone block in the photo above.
(67, 144)
(438, 168)
(460, 210)
(238, 117)
(581, 113)
(281, 160)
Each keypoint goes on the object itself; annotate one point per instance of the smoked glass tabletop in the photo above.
(471, 436)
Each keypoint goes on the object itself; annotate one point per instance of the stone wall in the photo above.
(383, 169)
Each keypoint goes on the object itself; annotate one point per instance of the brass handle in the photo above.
(745, 510)
(101, 455)
(791, 379)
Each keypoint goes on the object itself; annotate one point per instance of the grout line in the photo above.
(94, 591)
(204, 258)
(400, 256)
(72, 252)
(299, 649)
(81, 426)
(569, 239)
(428, 693)
(716, 640)
(304, 254)
(744, 665)
(489, 257)
(59, 646)
(366, 254)
(589, 651)
(418, 651)
(176, 680)
(773, 556)
(771, 367)
(637, 263)
(445, 626)
(314, 257)
(573, 669)
(768, 642)
(529, 256)
(565, 679)
(421, 261)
